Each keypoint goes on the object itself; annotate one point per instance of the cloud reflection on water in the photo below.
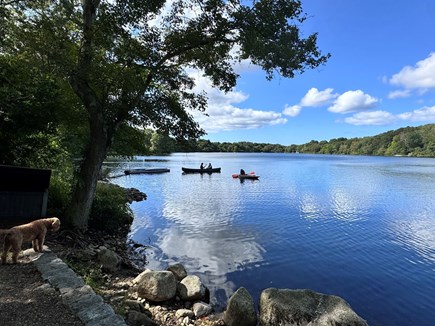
(417, 234)
(203, 232)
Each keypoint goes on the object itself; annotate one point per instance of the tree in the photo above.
(161, 144)
(130, 141)
(126, 61)
(29, 107)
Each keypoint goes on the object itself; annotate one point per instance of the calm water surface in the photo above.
(362, 228)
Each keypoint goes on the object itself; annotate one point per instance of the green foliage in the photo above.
(270, 37)
(29, 102)
(410, 141)
(92, 275)
(161, 144)
(58, 196)
(248, 147)
(130, 141)
(94, 278)
(110, 210)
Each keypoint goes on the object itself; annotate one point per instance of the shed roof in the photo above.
(13, 178)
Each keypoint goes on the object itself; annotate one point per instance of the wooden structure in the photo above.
(146, 171)
(23, 194)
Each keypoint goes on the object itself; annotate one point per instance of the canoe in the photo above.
(213, 170)
(140, 171)
(250, 176)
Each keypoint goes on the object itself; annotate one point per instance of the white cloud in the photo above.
(314, 97)
(352, 101)
(230, 117)
(421, 76)
(376, 118)
(399, 94)
(223, 114)
(292, 111)
(426, 114)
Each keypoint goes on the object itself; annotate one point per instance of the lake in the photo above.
(359, 227)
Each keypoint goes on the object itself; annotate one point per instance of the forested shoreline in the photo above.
(409, 141)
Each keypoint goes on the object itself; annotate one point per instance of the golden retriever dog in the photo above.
(31, 232)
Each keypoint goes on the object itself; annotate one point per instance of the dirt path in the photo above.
(26, 300)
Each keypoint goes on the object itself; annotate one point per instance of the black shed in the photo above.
(23, 194)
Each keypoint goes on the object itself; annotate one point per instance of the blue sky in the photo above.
(381, 77)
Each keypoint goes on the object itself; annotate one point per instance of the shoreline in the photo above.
(109, 264)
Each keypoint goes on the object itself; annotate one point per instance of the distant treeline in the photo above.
(409, 141)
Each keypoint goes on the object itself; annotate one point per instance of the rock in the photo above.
(201, 309)
(157, 285)
(137, 306)
(86, 254)
(181, 313)
(191, 288)
(133, 194)
(186, 321)
(109, 260)
(178, 270)
(117, 300)
(135, 318)
(240, 310)
(302, 307)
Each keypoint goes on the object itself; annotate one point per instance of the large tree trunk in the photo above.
(87, 178)
(84, 191)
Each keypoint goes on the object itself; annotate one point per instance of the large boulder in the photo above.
(191, 288)
(240, 309)
(157, 285)
(141, 276)
(279, 307)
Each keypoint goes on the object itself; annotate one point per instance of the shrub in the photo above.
(58, 196)
(110, 210)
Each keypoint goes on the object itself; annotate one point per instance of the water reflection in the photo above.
(339, 204)
(417, 234)
(309, 206)
(347, 207)
(213, 256)
(202, 229)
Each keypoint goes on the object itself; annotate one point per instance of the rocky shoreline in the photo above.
(174, 298)
(114, 268)
(107, 262)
